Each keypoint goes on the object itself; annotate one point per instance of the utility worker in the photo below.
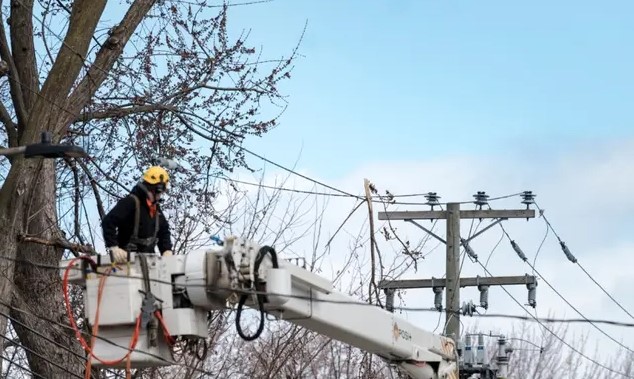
(136, 223)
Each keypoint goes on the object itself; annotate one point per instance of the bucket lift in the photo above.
(140, 307)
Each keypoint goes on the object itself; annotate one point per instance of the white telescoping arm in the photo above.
(291, 293)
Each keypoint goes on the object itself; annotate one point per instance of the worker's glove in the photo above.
(168, 253)
(118, 255)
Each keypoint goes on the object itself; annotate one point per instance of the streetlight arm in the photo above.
(45, 149)
(11, 151)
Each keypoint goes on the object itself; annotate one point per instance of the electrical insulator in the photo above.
(569, 255)
(468, 309)
(532, 294)
(432, 199)
(528, 198)
(481, 199)
(484, 296)
(389, 299)
(519, 251)
(468, 249)
(438, 298)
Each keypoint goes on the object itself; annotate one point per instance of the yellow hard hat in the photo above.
(156, 175)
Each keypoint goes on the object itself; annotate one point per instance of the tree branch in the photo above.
(122, 112)
(9, 125)
(107, 56)
(235, 89)
(59, 243)
(95, 190)
(77, 198)
(23, 49)
(368, 196)
(70, 59)
(215, 88)
(14, 76)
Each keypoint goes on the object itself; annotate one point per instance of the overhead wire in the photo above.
(260, 185)
(493, 250)
(41, 335)
(20, 366)
(581, 354)
(533, 318)
(338, 191)
(108, 73)
(35, 353)
(358, 303)
(566, 300)
(202, 371)
(541, 244)
(341, 193)
(325, 185)
(291, 171)
(343, 223)
(576, 261)
(106, 340)
(240, 147)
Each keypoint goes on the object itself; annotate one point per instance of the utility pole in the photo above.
(452, 301)
(453, 282)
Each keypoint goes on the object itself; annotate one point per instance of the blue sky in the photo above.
(457, 97)
(403, 80)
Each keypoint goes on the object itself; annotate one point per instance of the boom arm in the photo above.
(243, 272)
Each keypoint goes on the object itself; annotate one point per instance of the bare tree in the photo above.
(164, 80)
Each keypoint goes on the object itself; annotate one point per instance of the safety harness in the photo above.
(136, 243)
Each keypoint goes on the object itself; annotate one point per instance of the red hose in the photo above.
(95, 328)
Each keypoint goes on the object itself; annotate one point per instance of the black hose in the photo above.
(202, 356)
(260, 297)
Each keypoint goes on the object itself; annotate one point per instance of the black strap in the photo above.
(137, 216)
(134, 239)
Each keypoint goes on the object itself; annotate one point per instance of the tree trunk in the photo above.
(27, 206)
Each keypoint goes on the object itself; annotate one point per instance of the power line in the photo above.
(576, 261)
(383, 199)
(540, 321)
(339, 191)
(47, 360)
(604, 290)
(344, 223)
(281, 188)
(359, 303)
(240, 147)
(555, 334)
(127, 348)
(493, 250)
(18, 365)
(540, 246)
(563, 297)
(438, 203)
(298, 174)
(15, 321)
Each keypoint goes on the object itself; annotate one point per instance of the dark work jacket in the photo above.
(118, 224)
